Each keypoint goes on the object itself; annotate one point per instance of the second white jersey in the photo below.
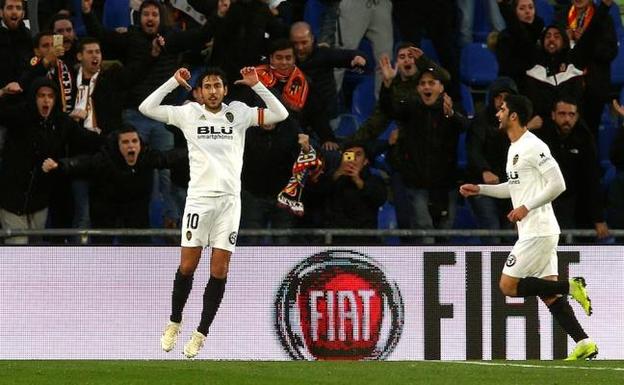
(527, 161)
(215, 143)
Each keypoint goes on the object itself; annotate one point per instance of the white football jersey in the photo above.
(215, 143)
(527, 160)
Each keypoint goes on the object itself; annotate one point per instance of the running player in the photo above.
(534, 180)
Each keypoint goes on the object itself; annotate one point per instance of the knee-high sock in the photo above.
(213, 294)
(182, 285)
(563, 313)
(531, 286)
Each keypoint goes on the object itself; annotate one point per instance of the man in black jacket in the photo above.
(15, 51)
(594, 45)
(61, 24)
(98, 105)
(101, 91)
(267, 167)
(120, 178)
(15, 41)
(318, 63)
(425, 153)
(574, 148)
(36, 130)
(554, 73)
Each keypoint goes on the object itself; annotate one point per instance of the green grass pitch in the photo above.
(313, 373)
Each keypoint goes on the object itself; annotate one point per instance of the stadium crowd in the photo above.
(380, 87)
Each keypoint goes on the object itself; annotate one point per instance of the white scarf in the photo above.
(184, 6)
(84, 101)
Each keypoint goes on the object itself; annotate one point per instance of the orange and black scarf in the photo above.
(307, 167)
(62, 77)
(295, 92)
(578, 19)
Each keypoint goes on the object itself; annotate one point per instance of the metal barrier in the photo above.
(327, 234)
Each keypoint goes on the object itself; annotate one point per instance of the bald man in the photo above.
(318, 63)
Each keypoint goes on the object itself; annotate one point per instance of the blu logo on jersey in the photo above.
(513, 177)
(212, 130)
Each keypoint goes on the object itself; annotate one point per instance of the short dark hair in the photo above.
(87, 40)
(358, 143)
(40, 35)
(57, 17)
(567, 99)
(3, 3)
(403, 45)
(126, 128)
(280, 44)
(154, 3)
(521, 105)
(213, 71)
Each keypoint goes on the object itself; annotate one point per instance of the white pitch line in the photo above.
(532, 366)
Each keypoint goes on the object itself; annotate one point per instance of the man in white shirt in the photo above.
(534, 181)
(215, 133)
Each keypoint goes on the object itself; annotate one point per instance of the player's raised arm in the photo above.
(275, 111)
(151, 106)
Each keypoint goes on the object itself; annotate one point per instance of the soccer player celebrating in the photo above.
(534, 181)
(215, 133)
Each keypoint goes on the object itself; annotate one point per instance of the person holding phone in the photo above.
(354, 194)
(47, 62)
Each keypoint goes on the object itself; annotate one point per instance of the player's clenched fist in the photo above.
(183, 75)
(250, 76)
(469, 190)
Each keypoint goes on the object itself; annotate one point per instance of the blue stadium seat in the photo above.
(79, 26)
(381, 163)
(464, 219)
(478, 66)
(606, 133)
(467, 101)
(462, 153)
(116, 14)
(384, 135)
(608, 174)
(426, 46)
(312, 15)
(545, 10)
(353, 78)
(347, 125)
(617, 66)
(364, 100)
(386, 219)
(614, 11)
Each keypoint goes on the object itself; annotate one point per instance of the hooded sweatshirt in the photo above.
(30, 140)
(552, 76)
